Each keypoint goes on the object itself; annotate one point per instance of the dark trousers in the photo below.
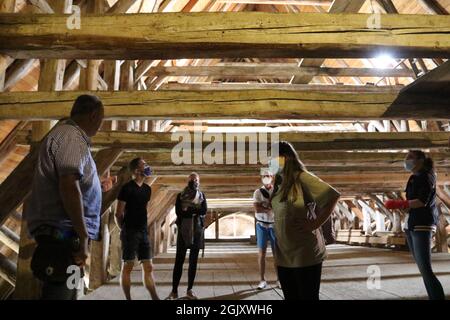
(47, 253)
(50, 263)
(57, 291)
(179, 261)
(419, 243)
(300, 283)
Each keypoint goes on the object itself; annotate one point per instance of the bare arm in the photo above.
(120, 213)
(69, 189)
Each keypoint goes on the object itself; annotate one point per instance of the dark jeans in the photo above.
(48, 252)
(419, 243)
(179, 261)
(300, 283)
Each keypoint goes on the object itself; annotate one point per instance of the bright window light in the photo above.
(384, 61)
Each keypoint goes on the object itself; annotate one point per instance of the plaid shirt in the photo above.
(65, 151)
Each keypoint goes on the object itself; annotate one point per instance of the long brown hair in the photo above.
(292, 167)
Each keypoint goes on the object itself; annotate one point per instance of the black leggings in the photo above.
(300, 283)
(179, 261)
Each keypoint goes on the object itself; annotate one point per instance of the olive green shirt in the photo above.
(295, 248)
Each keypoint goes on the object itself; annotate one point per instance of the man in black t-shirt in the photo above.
(131, 217)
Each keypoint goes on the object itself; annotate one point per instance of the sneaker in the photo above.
(190, 295)
(172, 296)
(262, 285)
(278, 284)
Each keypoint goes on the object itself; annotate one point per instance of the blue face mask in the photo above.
(147, 171)
(409, 164)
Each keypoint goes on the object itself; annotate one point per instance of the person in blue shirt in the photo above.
(63, 210)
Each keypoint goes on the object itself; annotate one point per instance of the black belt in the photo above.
(264, 221)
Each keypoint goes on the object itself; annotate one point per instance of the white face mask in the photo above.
(409, 164)
(266, 180)
(276, 165)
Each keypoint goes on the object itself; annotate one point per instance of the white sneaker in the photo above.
(190, 295)
(262, 285)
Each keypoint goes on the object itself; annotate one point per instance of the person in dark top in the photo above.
(131, 217)
(423, 217)
(190, 208)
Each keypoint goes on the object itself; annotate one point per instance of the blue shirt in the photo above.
(65, 151)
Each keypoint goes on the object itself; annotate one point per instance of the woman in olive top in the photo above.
(300, 247)
(422, 217)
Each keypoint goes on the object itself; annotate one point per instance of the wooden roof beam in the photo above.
(236, 104)
(369, 179)
(205, 86)
(9, 238)
(433, 6)
(320, 141)
(282, 2)
(330, 158)
(233, 34)
(280, 70)
(17, 71)
(8, 270)
(343, 6)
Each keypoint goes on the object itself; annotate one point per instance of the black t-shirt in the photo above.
(422, 186)
(136, 198)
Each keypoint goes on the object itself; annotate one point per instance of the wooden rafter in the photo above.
(195, 86)
(246, 71)
(322, 141)
(237, 34)
(331, 158)
(345, 6)
(248, 104)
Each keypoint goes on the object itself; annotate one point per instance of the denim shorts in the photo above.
(263, 235)
(135, 242)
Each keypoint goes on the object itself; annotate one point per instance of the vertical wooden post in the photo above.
(104, 159)
(166, 235)
(115, 256)
(217, 226)
(441, 232)
(127, 83)
(152, 237)
(111, 75)
(27, 286)
(157, 227)
(6, 6)
(356, 223)
(99, 256)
